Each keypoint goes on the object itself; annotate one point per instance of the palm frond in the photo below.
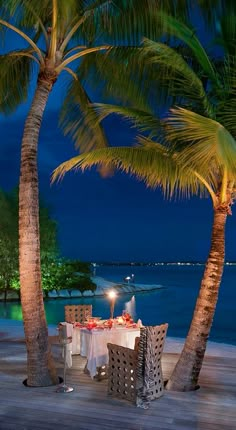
(80, 121)
(226, 106)
(122, 21)
(118, 76)
(173, 71)
(33, 15)
(149, 162)
(28, 13)
(177, 28)
(145, 121)
(208, 145)
(208, 179)
(25, 37)
(126, 22)
(226, 23)
(15, 72)
(227, 113)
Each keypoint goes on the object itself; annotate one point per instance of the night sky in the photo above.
(113, 219)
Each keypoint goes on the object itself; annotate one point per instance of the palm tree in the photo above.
(196, 154)
(56, 38)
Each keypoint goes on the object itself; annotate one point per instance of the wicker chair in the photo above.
(136, 374)
(77, 313)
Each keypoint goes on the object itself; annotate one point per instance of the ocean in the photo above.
(173, 303)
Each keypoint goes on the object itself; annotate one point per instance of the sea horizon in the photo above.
(155, 263)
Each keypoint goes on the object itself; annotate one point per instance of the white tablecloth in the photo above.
(93, 344)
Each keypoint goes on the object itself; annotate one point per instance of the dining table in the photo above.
(93, 344)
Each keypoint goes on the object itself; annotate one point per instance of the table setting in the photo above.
(121, 330)
(123, 321)
(90, 338)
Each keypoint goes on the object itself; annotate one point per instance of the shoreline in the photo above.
(12, 330)
(103, 286)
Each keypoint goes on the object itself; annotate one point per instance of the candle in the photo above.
(112, 297)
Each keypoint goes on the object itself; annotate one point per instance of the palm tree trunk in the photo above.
(40, 367)
(186, 372)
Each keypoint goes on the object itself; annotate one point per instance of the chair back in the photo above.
(77, 313)
(136, 374)
(150, 381)
(122, 371)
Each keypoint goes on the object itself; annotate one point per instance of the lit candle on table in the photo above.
(112, 297)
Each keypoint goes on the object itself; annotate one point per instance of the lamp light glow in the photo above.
(112, 294)
(112, 297)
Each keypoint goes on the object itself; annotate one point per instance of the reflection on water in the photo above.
(130, 307)
(173, 304)
(11, 310)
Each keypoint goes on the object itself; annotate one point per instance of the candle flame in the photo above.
(112, 294)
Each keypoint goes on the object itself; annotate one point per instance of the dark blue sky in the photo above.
(114, 219)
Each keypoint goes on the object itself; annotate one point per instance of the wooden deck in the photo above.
(88, 407)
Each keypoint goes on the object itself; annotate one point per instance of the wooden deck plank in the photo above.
(88, 407)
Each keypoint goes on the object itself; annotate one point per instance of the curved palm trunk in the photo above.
(186, 372)
(40, 367)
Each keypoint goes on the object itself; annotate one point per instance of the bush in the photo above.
(63, 274)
